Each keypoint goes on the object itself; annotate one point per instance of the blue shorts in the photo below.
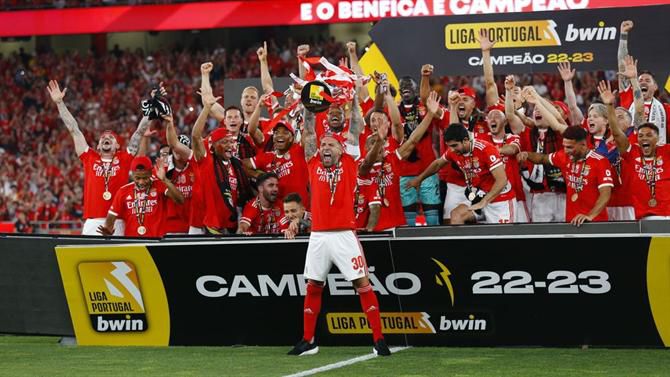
(428, 192)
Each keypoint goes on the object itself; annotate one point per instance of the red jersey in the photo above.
(117, 172)
(291, 169)
(584, 178)
(366, 195)
(386, 181)
(141, 208)
(450, 173)
(332, 194)
(217, 214)
(423, 154)
(511, 164)
(626, 100)
(321, 126)
(261, 220)
(478, 165)
(179, 215)
(638, 170)
(305, 223)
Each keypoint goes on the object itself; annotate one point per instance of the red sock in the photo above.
(311, 310)
(370, 307)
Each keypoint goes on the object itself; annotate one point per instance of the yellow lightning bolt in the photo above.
(445, 277)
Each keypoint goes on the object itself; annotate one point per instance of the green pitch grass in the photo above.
(43, 356)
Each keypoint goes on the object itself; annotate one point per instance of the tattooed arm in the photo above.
(57, 95)
(309, 135)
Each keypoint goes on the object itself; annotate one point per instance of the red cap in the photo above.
(564, 107)
(337, 137)
(218, 134)
(468, 91)
(498, 106)
(141, 161)
(282, 124)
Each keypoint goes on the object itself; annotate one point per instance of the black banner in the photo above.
(526, 42)
(543, 291)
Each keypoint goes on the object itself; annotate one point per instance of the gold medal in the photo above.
(652, 202)
(386, 202)
(141, 230)
(574, 197)
(107, 195)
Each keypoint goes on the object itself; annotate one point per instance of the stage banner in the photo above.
(432, 292)
(526, 42)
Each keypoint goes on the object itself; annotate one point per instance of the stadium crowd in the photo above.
(228, 170)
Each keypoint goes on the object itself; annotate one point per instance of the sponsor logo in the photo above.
(533, 33)
(398, 283)
(463, 323)
(442, 279)
(392, 323)
(113, 297)
(598, 33)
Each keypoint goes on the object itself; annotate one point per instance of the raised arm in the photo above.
(177, 148)
(622, 52)
(217, 111)
(567, 75)
(301, 52)
(453, 100)
(308, 137)
(608, 98)
(78, 138)
(266, 79)
(356, 67)
(432, 105)
(199, 150)
(134, 143)
(356, 124)
(254, 120)
(371, 156)
(172, 192)
(630, 73)
(491, 89)
(531, 96)
(515, 123)
(424, 85)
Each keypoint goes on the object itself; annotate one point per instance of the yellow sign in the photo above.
(658, 285)
(534, 33)
(115, 295)
(392, 323)
(315, 92)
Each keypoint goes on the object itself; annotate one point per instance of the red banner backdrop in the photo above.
(265, 13)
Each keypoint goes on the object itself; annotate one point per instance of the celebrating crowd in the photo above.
(519, 149)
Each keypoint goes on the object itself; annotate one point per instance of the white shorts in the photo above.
(521, 212)
(656, 218)
(547, 207)
(498, 213)
(455, 197)
(91, 227)
(621, 213)
(195, 230)
(336, 247)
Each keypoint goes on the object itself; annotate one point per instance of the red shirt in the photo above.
(423, 154)
(129, 202)
(626, 100)
(451, 173)
(638, 170)
(386, 181)
(179, 215)
(591, 174)
(261, 220)
(478, 164)
(511, 164)
(321, 126)
(118, 171)
(217, 213)
(338, 213)
(291, 169)
(367, 195)
(284, 222)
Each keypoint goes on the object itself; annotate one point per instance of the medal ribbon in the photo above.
(141, 209)
(332, 176)
(579, 186)
(650, 178)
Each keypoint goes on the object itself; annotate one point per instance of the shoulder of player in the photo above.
(595, 156)
(482, 145)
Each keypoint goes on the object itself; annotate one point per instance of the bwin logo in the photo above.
(600, 33)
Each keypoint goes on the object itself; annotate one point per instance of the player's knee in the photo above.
(459, 215)
(361, 282)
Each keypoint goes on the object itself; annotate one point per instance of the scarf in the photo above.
(657, 116)
(244, 190)
(546, 143)
(412, 117)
